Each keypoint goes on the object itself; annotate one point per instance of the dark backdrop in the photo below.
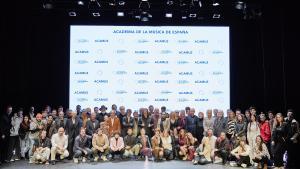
(35, 57)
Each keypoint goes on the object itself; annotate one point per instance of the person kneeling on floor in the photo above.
(41, 149)
(241, 154)
(81, 146)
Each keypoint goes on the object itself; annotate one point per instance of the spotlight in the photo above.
(72, 13)
(80, 3)
(216, 16)
(96, 14)
(215, 3)
(169, 15)
(112, 2)
(239, 5)
(120, 14)
(121, 3)
(144, 16)
(184, 15)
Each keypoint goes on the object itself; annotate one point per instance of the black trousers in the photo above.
(292, 155)
(71, 141)
(223, 154)
(279, 150)
(168, 154)
(263, 160)
(14, 144)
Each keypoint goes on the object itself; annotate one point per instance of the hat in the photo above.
(103, 107)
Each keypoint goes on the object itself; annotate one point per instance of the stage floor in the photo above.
(116, 165)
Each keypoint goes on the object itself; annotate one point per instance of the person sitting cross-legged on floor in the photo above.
(116, 145)
(132, 149)
(203, 152)
(81, 146)
(100, 145)
(242, 154)
(167, 145)
(41, 149)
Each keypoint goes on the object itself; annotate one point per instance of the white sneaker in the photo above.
(232, 164)
(104, 158)
(255, 164)
(244, 165)
(83, 159)
(218, 160)
(76, 160)
(96, 159)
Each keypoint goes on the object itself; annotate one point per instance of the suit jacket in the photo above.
(113, 127)
(58, 125)
(52, 130)
(91, 128)
(72, 130)
(126, 123)
(118, 144)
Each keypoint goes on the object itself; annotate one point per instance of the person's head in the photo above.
(163, 109)
(182, 132)
(61, 114)
(43, 134)
(238, 111)
(252, 110)
(145, 113)
(182, 113)
(253, 118)
(47, 109)
(240, 118)
(222, 136)
(192, 111)
(262, 117)
(44, 114)
(50, 119)
(231, 115)
(38, 117)
(96, 109)
(103, 108)
(116, 134)
(9, 109)
(82, 132)
(156, 111)
(122, 110)
(60, 108)
(114, 107)
(93, 116)
(99, 132)
(279, 118)
(242, 142)
(31, 109)
(112, 113)
(173, 115)
(151, 108)
(143, 131)
(220, 114)
(105, 117)
(129, 131)
(26, 118)
(258, 140)
(209, 132)
(61, 131)
(54, 113)
(157, 132)
(187, 110)
(78, 108)
(247, 113)
(270, 115)
(209, 113)
(201, 115)
(20, 112)
(128, 112)
(166, 133)
(189, 135)
(164, 116)
(136, 114)
(215, 112)
(290, 114)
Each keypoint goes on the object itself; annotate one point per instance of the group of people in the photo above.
(84, 135)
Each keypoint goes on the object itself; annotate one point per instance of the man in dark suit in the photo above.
(92, 125)
(72, 130)
(100, 116)
(60, 121)
(5, 125)
(127, 122)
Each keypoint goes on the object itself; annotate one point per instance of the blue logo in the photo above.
(82, 99)
(141, 52)
(165, 72)
(165, 52)
(201, 100)
(82, 40)
(142, 62)
(141, 73)
(100, 99)
(217, 92)
(186, 52)
(81, 73)
(142, 99)
(201, 62)
(81, 51)
(100, 81)
(161, 99)
(217, 73)
(141, 92)
(182, 100)
(121, 51)
(101, 40)
(82, 61)
(142, 41)
(165, 92)
(185, 92)
(201, 81)
(82, 81)
(217, 52)
(161, 81)
(121, 72)
(121, 92)
(161, 62)
(182, 82)
(161, 41)
(183, 41)
(81, 92)
(182, 62)
(142, 81)
(185, 73)
(201, 41)
(101, 61)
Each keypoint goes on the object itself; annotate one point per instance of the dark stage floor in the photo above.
(116, 165)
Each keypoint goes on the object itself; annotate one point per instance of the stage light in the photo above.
(120, 14)
(170, 2)
(239, 5)
(192, 15)
(121, 3)
(184, 15)
(216, 16)
(215, 3)
(72, 13)
(169, 15)
(48, 4)
(96, 14)
(144, 16)
(144, 5)
(80, 3)
(112, 2)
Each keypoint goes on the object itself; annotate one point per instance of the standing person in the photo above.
(265, 131)
(181, 120)
(100, 116)
(208, 120)
(165, 122)
(240, 129)
(114, 124)
(115, 108)
(219, 123)
(247, 116)
(253, 131)
(279, 138)
(121, 116)
(173, 121)
(292, 140)
(260, 153)
(60, 121)
(242, 154)
(192, 122)
(24, 136)
(41, 149)
(116, 145)
(100, 145)
(59, 142)
(50, 127)
(156, 119)
(14, 141)
(200, 126)
(132, 149)
(230, 126)
(5, 125)
(81, 147)
(78, 110)
(127, 122)
(271, 120)
(146, 122)
(104, 126)
(31, 112)
(72, 130)
(135, 122)
(92, 125)
(144, 143)
(151, 110)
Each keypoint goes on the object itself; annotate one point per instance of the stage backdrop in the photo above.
(137, 66)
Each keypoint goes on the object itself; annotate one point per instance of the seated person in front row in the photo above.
(167, 145)
(158, 150)
(41, 149)
(100, 145)
(261, 153)
(182, 144)
(203, 152)
(221, 149)
(116, 145)
(59, 143)
(132, 149)
(81, 146)
(242, 154)
(192, 145)
(144, 143)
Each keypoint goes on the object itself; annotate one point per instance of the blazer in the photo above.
(118, 144)
(113, 127)
(73, 130)
(91, 128)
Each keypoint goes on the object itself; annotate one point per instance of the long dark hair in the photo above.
(261, 142)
